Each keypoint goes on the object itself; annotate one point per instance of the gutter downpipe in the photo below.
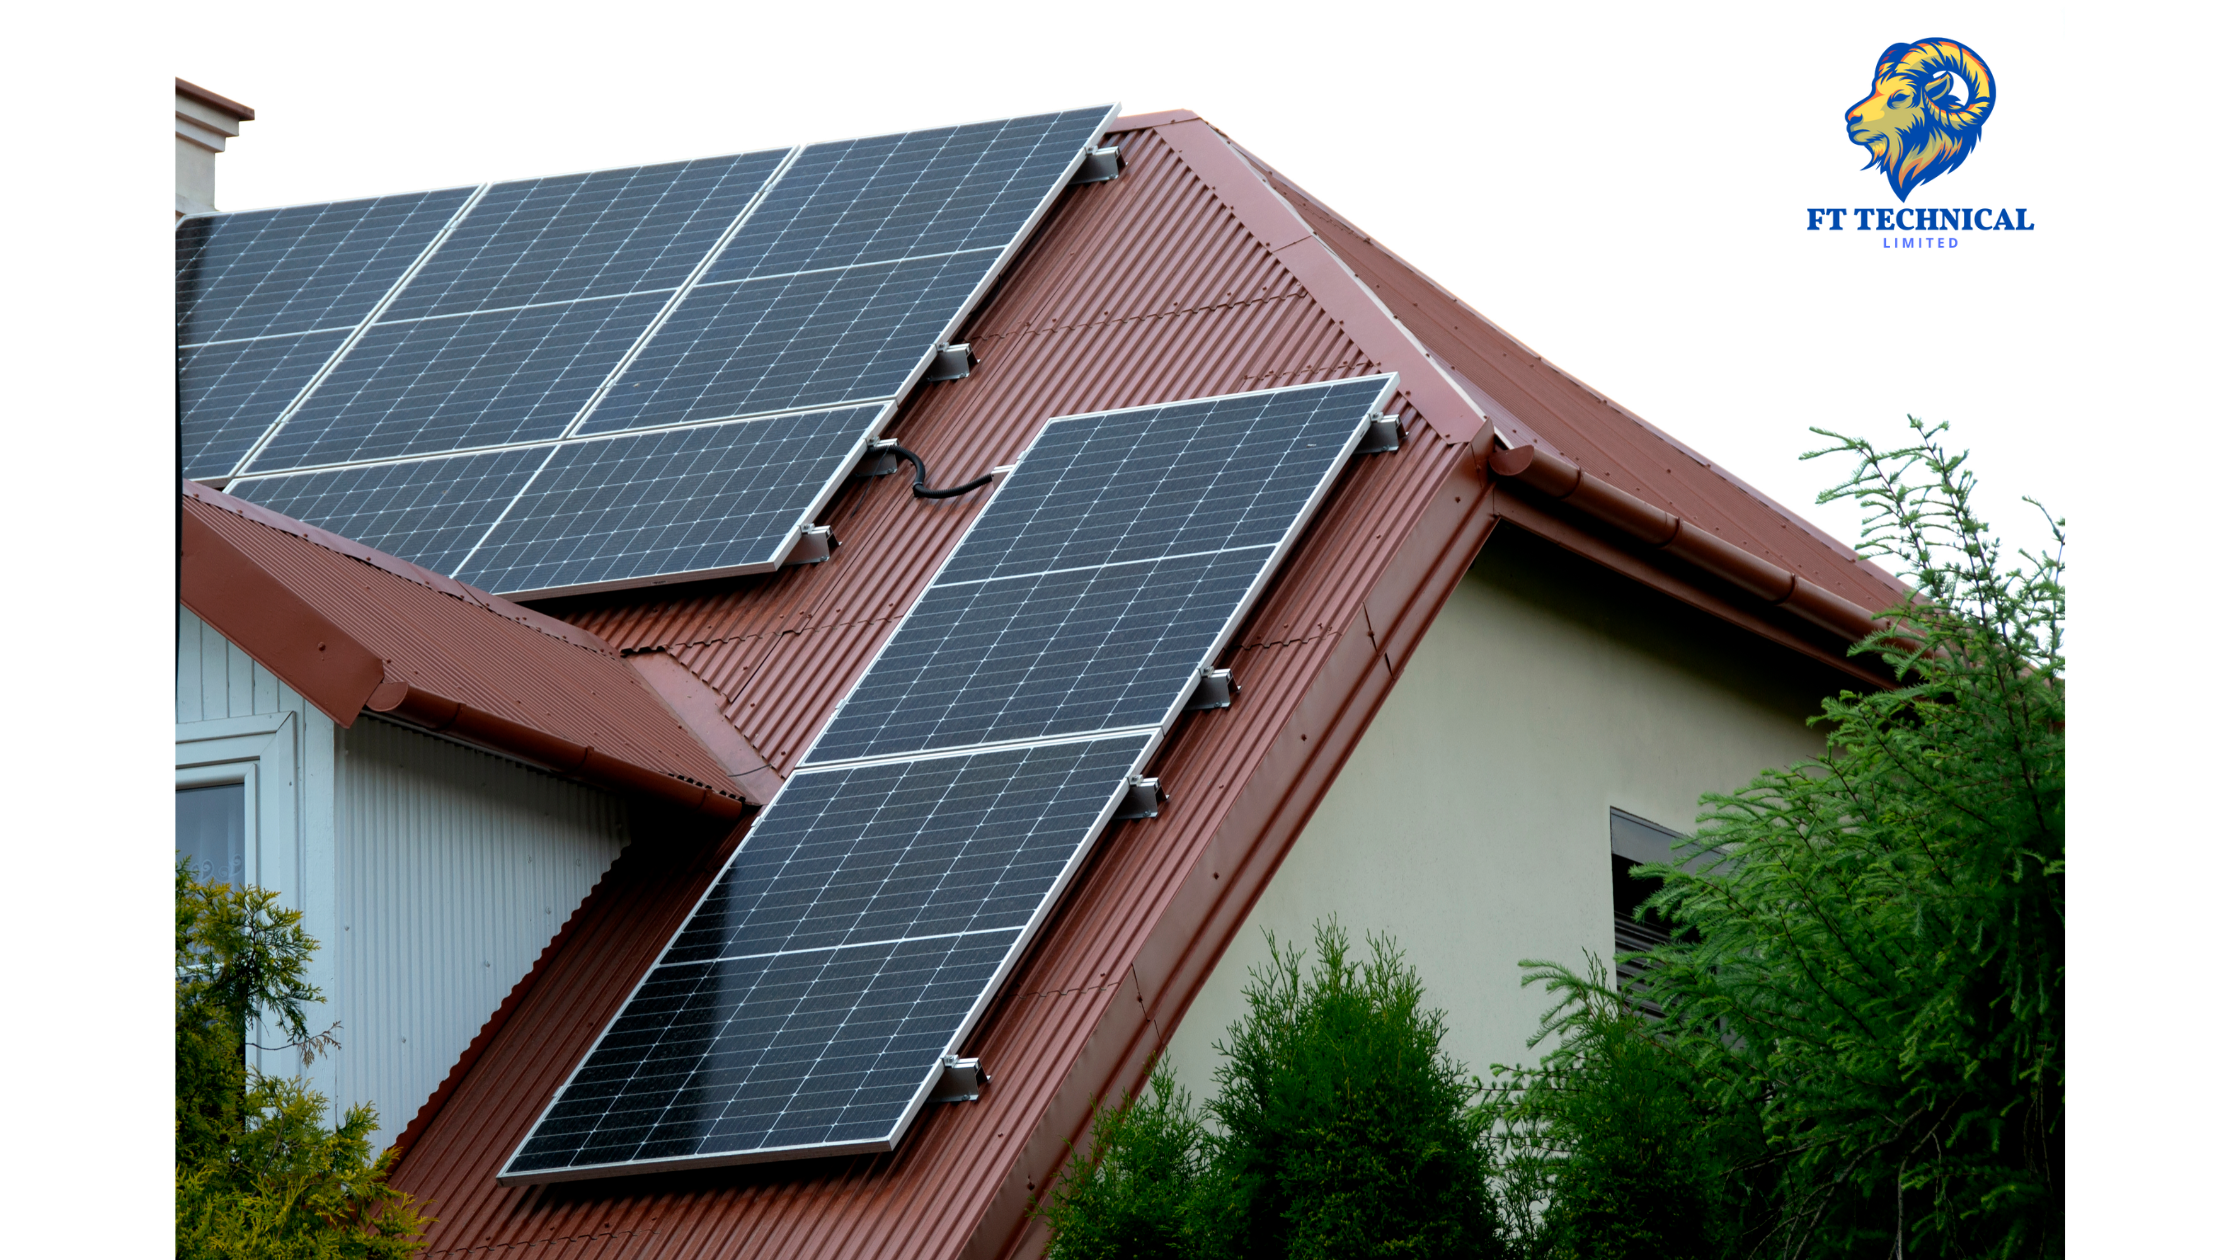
(1565, 482)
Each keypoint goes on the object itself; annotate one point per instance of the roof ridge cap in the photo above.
(397, 566)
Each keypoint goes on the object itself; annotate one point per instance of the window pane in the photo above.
(211, 824)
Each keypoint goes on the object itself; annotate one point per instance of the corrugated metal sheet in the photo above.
(1149, 288)
(453, 867)
(523, 668)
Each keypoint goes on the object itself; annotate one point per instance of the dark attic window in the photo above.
(1633, 841)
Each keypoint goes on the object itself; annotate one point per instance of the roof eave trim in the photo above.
(1567, 483)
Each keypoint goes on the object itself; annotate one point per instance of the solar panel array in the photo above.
(867, 918)
(596, 380)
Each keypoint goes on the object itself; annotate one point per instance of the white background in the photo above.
(1622, 188)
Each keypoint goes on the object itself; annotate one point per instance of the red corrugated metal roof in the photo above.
(1188, 276)
(351, 628)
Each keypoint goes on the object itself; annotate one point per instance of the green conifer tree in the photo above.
(259, 1173)
(1340, 1130)
(1861, 1038)
(1133, 1194)
(1344, 1130)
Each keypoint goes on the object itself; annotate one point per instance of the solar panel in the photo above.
(829, 966)
(228, 390)
(450, 383)
(635, 230)
(266, 273)
(914, 195)
(791, 341)
(805, 1006)
(673, 501)
(1118, 549)
(265, 298)
(537, 312)
(403, 508)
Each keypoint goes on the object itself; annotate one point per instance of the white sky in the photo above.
(1624, 194)
(1621, 187)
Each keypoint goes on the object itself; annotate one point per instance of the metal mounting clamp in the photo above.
(961, 1080)
(879, 459)
(1383, 436)
(1101, 165)
(952, 362)
(816, 546)
(1141, 799)
(1215, 690)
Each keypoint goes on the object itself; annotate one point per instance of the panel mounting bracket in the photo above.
(961, 1080)
(1141, 800)
(1383, 436)
(879, 459)
(1215, 690)
(952, 362)
(816, 545)
(1101, 165)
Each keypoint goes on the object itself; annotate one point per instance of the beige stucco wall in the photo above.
(1472, 822)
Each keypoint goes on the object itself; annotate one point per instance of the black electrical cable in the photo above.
(919, 488)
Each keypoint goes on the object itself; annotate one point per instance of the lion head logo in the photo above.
(1913, 123)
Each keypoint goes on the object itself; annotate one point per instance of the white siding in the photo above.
(455, 868)
(218, 680)
(1472, 821)
(232, 711)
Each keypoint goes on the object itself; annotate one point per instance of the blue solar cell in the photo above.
(264, 273)
(575, 236)
(431, 519)
(797, 341)
(685, 501)
(883, 198)
(231, 392)
(431, 385)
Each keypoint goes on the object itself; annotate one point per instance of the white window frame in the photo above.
(258, 752)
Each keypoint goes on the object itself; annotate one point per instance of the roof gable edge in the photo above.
(278, 628)
(1264, 212)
